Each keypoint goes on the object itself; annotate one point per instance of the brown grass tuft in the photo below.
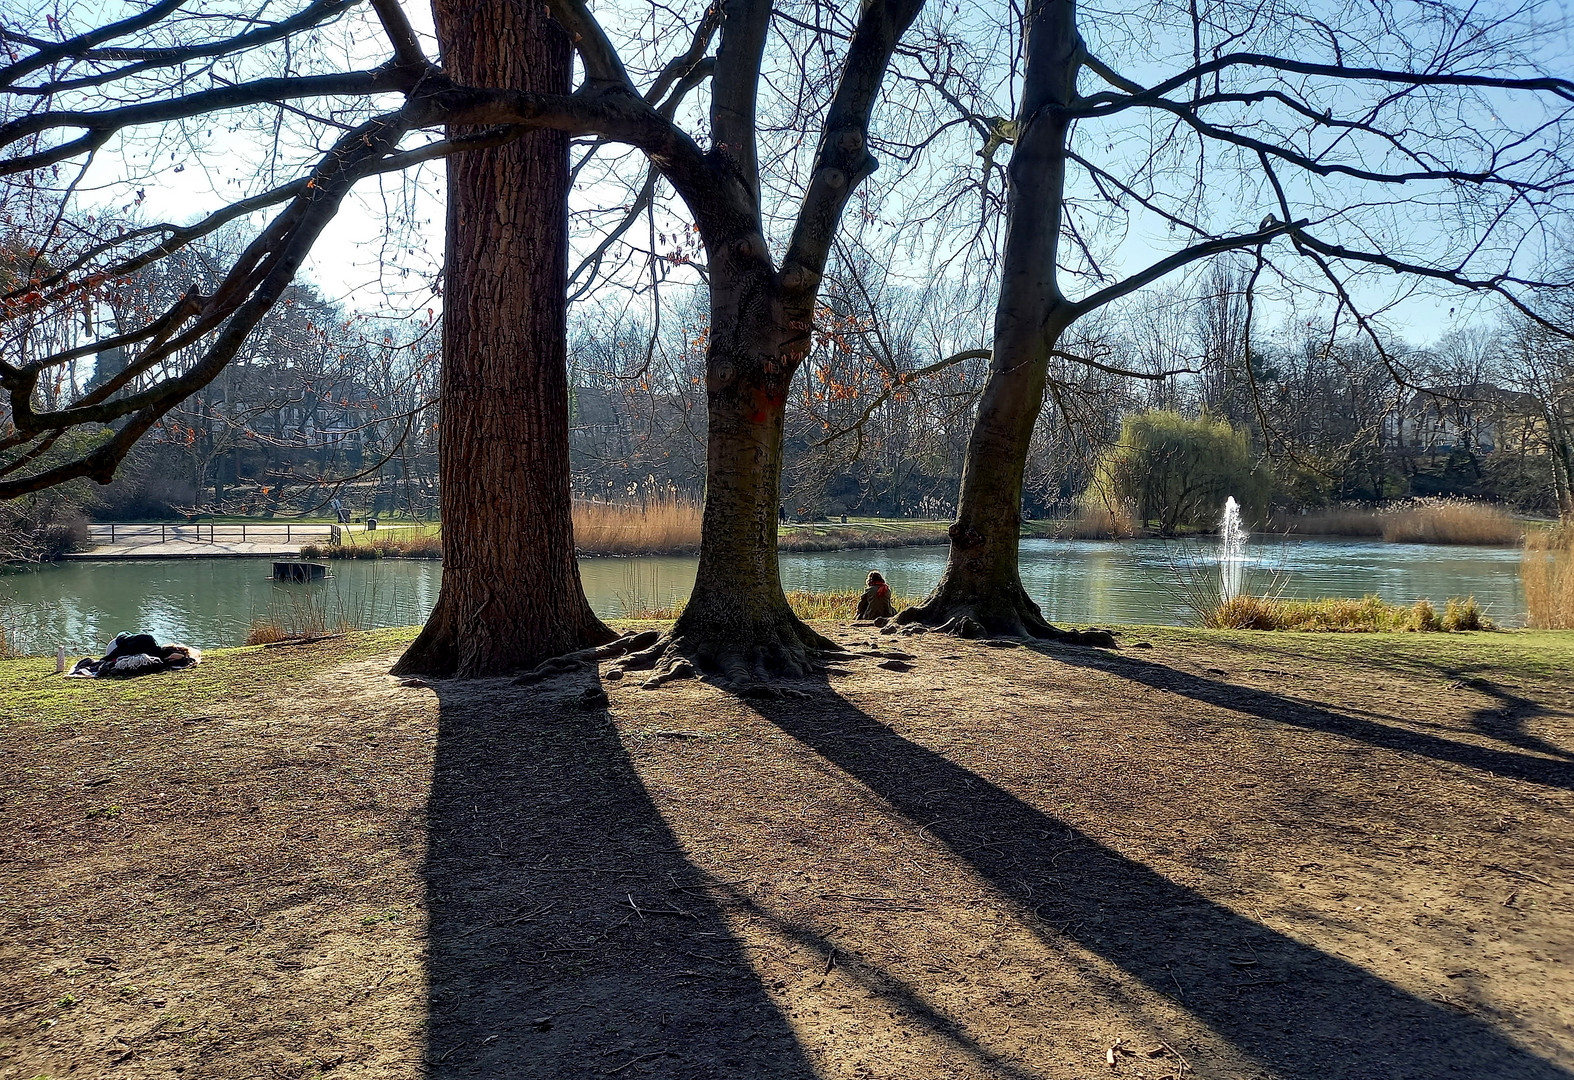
(265, 631)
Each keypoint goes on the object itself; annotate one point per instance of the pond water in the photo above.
(211, 602)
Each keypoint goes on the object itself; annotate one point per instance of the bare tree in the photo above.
(1318, 130)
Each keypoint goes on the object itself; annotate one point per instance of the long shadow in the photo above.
(1506, 722)
(568, 935)
(1301, 1013)
(1285, 710)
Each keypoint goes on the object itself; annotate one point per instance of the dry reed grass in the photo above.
(1451, 521)
(1419, 521)
(1558, 537)
(667, 527)
(1342, 615)
(1547, 573)
(842, 605)
(1098, 522)
(308, 613)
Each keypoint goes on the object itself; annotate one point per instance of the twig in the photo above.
(1518, 873)
(635, 1061)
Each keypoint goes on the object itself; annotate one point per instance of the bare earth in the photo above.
(1221, 856)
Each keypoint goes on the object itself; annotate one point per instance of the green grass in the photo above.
(31, 692)
(1529, 654)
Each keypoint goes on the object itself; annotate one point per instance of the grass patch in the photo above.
(31, 691)
(412, 542)
(1342, 615)
(873, 534)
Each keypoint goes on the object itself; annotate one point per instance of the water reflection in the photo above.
(212, 601)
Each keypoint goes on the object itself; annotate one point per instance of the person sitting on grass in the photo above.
(875, 603)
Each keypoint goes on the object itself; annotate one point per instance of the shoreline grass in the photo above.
(1343, 615)
(1546, 571)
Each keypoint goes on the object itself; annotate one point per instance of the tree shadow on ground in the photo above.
(1279, 709)
(1506, 721)
(568, 934)
(1298, 1011)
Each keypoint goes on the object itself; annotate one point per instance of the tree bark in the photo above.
(511, 595)
(980, 592)
(737, 622)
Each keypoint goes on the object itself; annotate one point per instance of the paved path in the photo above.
(201, 540)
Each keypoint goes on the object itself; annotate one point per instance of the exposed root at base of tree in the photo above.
(443, 651)
(1002, 614)
(584, 658)
(746, 664)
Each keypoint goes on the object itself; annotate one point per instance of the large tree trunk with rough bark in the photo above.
(980, 591)
(737, 623)
(511, 595)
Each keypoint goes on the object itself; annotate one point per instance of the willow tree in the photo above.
(511, 594)
(1325, 147)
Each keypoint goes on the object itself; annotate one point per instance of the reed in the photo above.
(1419, 521)
(1558, 537)
(1450, 521)
(1098, 522)
(1547, 574)
(1343, 615)
(666, 527)
(306, 613)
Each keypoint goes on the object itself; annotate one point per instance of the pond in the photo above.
(212, 602)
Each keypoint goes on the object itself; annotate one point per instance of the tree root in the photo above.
(584, 658)
(744, 664)
(1001, 614)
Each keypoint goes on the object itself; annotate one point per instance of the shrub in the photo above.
(1177, 471)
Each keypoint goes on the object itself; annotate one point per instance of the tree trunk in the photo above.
(737, 622)
(511, 595)
(980, 591)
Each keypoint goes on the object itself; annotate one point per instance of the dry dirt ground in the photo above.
(1220, 855)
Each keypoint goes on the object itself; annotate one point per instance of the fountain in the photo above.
(1232, 550)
